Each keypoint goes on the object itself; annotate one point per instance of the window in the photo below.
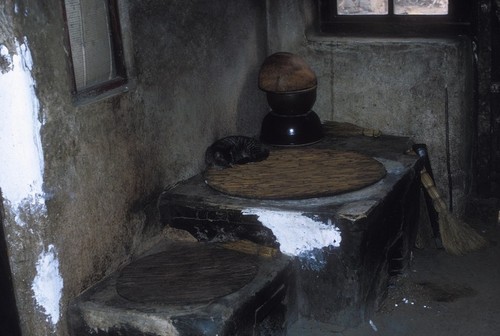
(394, 17)
(96, 48)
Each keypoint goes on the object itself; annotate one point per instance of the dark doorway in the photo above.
(495, 98)
(9, 318)
(487, 69)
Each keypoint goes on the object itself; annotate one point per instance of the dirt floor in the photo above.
(440, 295)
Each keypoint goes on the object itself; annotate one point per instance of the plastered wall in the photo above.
(80, 184)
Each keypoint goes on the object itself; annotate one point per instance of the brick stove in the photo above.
(340, 284)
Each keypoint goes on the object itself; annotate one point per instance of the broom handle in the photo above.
(432, 191)
(425, 163)
(448, 155)
(249, 247)
(421, 150)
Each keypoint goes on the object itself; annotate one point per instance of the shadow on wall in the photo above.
(251, 112)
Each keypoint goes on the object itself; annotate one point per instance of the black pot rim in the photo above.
(293, 91)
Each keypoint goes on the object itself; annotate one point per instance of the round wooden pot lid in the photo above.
(186, 273)
(298, 173)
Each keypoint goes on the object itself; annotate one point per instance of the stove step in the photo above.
(188, 289)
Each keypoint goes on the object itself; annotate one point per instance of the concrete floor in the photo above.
(440, 295)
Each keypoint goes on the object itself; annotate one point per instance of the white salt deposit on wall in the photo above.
(21, 168)
(296, 233)
(20, 145)
(48, 284)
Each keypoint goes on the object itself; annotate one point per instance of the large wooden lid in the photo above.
(186, 273)
(285, 72)
(297, 174)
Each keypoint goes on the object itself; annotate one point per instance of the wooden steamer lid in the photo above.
(186, 273)
(298, 173)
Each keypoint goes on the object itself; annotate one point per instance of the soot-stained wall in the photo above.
(80, 184)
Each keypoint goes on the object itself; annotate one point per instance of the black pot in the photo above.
(292, 102)
(280, 130)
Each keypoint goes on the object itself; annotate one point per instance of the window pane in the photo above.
(421, 7)
(90, 40)
(362, 7)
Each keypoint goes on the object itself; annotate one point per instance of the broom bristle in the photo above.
(457, 236)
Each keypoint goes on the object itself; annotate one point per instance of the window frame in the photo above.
(119, 83)
(456, 22)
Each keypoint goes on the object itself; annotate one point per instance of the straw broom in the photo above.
(457, 236)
